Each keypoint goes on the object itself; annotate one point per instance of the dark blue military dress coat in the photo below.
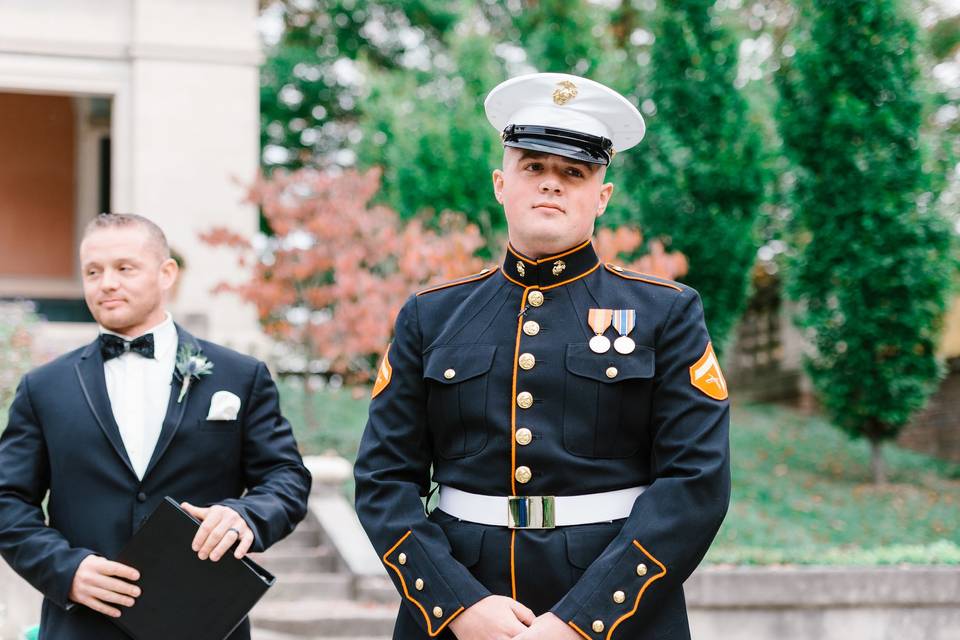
(453, 404)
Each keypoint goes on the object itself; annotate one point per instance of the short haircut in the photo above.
(123, 220)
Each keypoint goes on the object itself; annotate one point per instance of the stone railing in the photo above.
(825, 603)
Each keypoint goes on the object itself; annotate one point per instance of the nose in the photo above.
(550, 185)
(108, 281)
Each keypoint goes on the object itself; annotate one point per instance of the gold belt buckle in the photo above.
(531, 512)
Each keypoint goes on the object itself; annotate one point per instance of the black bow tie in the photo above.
(112, 346)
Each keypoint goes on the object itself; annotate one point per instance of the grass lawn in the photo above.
(802, 493)
(801, 489)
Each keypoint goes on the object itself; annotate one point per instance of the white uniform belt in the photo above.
(538, 512)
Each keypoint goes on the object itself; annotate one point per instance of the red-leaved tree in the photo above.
(337, 269)
(612, 243)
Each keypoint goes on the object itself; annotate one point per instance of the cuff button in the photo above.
(597, 626)
(419, 584)
(402, 559)
(437, 612)
(619, 597)
(641, 569)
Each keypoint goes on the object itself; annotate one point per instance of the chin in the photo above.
(114, 323)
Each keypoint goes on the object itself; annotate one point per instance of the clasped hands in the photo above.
(502, 618)
(103, 585)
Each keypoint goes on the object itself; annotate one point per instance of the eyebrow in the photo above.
(99, 263)
(529, 153)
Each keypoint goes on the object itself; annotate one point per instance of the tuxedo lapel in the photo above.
(94, 385)
(175, 410)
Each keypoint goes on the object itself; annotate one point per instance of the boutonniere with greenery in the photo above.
(191, 364)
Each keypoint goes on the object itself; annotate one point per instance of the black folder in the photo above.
(183, 596)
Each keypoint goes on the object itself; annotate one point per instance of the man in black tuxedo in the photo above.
(108, 430)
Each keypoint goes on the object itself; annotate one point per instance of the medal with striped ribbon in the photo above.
(623, 321)
(599, 321)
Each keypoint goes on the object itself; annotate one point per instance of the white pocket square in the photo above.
(223, 406)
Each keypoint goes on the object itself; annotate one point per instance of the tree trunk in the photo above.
(877, 465)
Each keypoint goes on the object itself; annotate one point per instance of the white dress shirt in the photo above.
(139, 391)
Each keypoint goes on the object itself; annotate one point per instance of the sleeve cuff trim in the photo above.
(636, 604)
(650, 580)
(406, 593)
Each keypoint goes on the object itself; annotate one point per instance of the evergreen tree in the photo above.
(429, 131)
(873, 267)
(432, 138)
(698, 179)
(311, 93)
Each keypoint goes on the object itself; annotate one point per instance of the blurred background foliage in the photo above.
(401, 85)
(817, 135)
(16, 348)
(811, 143)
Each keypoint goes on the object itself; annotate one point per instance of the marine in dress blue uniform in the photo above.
(575, 480)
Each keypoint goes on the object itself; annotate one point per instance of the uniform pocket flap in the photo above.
(611, 366)
(466, 542)
(584, 545)
(453, 364)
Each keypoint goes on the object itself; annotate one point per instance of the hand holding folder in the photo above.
(182, 595)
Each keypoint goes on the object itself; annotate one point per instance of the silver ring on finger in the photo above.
(236, 531)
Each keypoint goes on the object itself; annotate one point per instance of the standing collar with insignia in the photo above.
(550, 271)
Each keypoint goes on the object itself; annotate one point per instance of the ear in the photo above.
(168, 273)
(606, 191)
(498, 185)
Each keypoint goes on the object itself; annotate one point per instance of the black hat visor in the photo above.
(561, 142)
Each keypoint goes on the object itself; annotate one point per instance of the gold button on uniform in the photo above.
(523, 475)
(641, 569)
(419, 584)
(525, 399)
(437, 612)
(531, 327)
(611, 372)
(524, 436)
(535, 298)
(402, 558)
(527, 361)
(449, 373)
(619, 597)
(597, 626)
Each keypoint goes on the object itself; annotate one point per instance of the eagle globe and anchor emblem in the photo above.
(565, 92)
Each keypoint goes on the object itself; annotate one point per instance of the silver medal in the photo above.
(599, 344)
(624, 345)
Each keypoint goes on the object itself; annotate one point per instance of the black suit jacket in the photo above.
(62, 440)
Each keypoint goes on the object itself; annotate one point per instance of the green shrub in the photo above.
(16, 358)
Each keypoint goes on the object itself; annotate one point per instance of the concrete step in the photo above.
(307, 534)
(325, 618)
(280, 560)
(310, 586)
(377, 589)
